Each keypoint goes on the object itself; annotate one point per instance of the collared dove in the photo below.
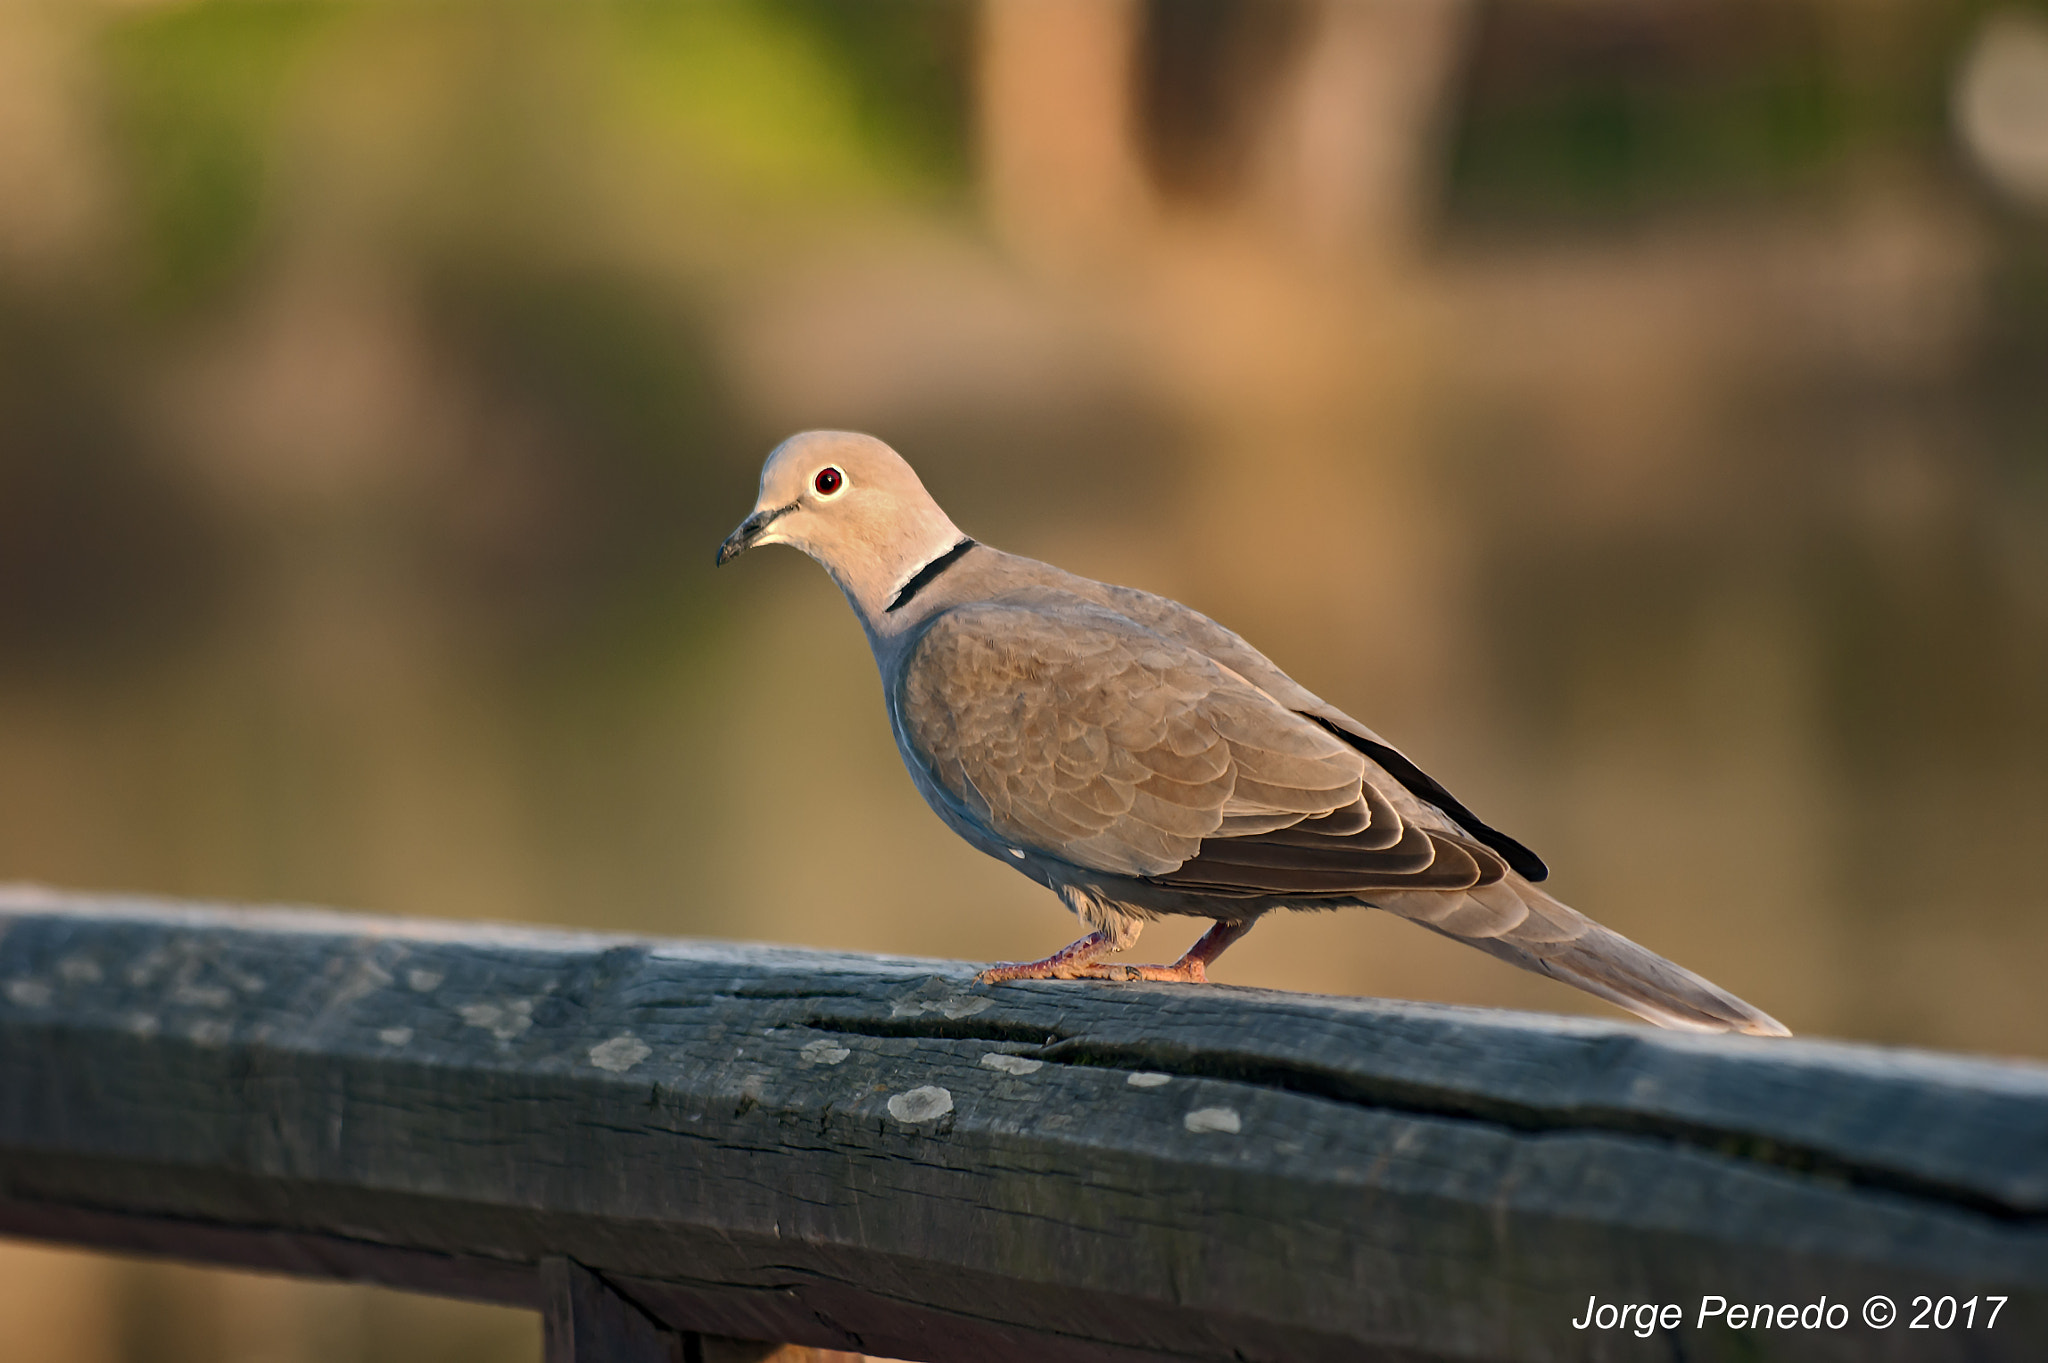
(1137, 759)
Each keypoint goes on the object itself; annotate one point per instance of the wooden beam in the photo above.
(877, 1155)
(585, 1321)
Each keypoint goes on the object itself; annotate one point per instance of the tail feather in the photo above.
(1528, 928)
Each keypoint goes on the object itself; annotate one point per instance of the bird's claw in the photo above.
(1181, 972)
(1078, 962)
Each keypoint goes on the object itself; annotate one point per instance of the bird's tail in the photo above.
(1519, 923)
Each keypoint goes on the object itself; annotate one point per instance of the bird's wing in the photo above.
(1068, 728)
(1176, 621)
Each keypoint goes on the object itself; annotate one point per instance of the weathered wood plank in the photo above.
(876, 1154)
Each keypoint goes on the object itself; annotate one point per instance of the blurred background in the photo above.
(1637, 412)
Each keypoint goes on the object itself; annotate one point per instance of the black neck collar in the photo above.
(925, 575)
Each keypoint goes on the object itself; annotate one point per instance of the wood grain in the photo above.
(876, 1155)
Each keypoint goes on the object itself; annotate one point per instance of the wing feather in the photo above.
(1076, 731)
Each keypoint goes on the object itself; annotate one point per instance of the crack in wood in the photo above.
(1081, 1051)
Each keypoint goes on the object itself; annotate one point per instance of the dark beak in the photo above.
(742, 539)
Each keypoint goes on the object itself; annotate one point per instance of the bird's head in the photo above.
(851, 503)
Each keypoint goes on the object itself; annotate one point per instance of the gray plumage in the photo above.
(1138, 759)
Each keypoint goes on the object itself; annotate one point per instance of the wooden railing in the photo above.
(665, 1145)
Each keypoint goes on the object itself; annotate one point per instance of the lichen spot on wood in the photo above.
(423, 981)
(823, 1051)
(80, 970)
(1148, 1079)
(29, 993)
(1011, 1064)
(1202, 1119)
(201, 995)
(620, 1054)
(943, 997)
(395, 1036)
(502, 1020)
(925, 1104)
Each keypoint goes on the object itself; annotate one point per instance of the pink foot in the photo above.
(1071, 962)
(1077, 961)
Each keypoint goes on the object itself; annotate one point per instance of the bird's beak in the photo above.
(742, 539)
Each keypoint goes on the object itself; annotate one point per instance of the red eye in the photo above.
(828, 481)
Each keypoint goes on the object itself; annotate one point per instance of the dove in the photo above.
(1139, 760)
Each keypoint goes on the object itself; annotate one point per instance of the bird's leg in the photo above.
(1192, 968)
(1078, 961)
(1073, 961)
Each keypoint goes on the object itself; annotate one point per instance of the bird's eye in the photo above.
(828, 481)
